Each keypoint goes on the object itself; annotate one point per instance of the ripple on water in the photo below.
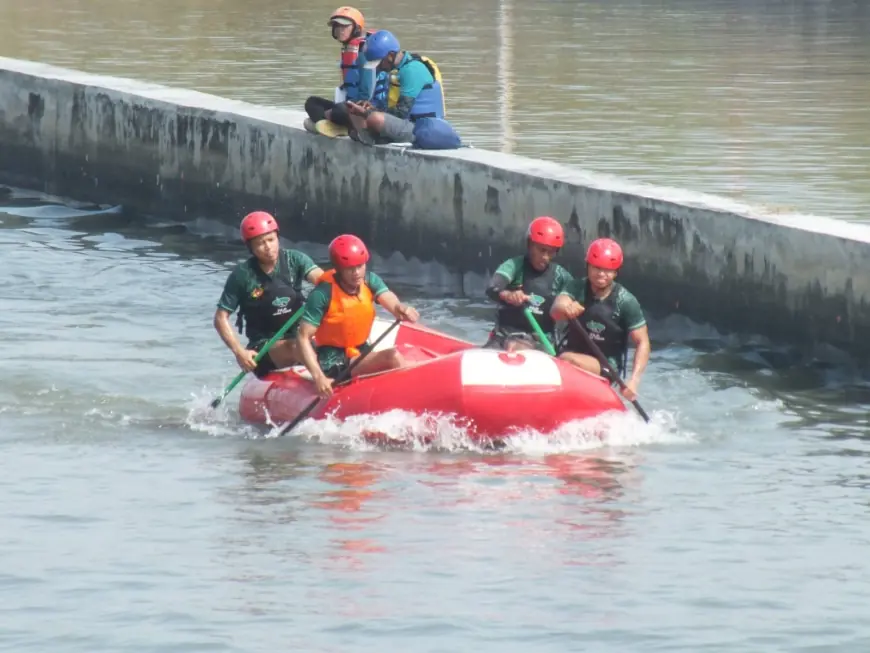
(758, 101)
(137, 519)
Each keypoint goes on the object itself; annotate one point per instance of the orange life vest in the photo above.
(349, 318)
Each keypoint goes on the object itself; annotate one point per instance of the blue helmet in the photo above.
(380, 44)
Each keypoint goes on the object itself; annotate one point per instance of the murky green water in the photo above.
(760, 100)
(134, 519)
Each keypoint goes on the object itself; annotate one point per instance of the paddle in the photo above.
(345, 374)
(605, 364)
(542, 337)
(263, 351)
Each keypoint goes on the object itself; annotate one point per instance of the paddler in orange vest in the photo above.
(339, 314)
(330, 117)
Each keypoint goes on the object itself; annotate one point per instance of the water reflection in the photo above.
(551, 501)
(351, 505)
(505, 73)
(271, 486)
(578, 492)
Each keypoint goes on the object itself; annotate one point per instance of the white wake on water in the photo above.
(444, 433)
(433, 432)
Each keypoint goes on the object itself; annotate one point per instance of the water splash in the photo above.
(399, 429)
(222, 421)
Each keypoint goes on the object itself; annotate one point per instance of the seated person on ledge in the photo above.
(610, 314)
(339, 315)
(330, 117)
(411, 86)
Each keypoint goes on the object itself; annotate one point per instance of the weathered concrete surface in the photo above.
(795, 278)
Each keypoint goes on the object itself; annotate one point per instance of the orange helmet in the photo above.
(348, 14)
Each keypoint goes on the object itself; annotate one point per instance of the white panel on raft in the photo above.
(378, 328)
(299, 370)
(501, 368)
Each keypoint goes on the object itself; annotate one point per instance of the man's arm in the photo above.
(391, 302)
(501, 279)
(306, 349)
(388, 299)
(640, 338)
(403, 107)
(244, 357)
(565, 307)
(226, 331)
(635, 323)
(412, 78)
(227, 305)
(314, 276)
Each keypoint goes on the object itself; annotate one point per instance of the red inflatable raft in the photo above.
(494, 393)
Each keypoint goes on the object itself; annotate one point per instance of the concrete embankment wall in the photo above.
(163, 150)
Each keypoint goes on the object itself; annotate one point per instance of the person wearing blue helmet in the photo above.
(410, 90)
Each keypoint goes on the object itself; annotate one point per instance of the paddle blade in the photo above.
(640, 410)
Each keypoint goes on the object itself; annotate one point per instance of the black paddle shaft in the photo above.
(605, 364)
(343, 376)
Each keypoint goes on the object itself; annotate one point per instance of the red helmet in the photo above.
(347, 251)
(256, 224)
(546, 231)
(604, 253)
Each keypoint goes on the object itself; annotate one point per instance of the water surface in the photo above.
(135, 519)
(760, 100)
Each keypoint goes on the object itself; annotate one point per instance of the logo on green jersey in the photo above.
(597, 327)
(535, 303)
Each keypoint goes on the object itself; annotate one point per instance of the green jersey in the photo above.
(266, 301)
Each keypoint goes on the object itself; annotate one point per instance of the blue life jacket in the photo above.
(429, 103)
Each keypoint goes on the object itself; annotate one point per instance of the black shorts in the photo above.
(339, 367)
(266, 364)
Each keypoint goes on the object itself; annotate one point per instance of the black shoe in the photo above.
(362, 136)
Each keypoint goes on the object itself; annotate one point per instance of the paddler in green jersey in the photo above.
(532, 280)
(610, 314)
(267, 291)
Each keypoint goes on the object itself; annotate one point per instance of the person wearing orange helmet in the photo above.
(610, 314)
(339, 315)
(331, 117)
(267, 290)
(531, 280)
